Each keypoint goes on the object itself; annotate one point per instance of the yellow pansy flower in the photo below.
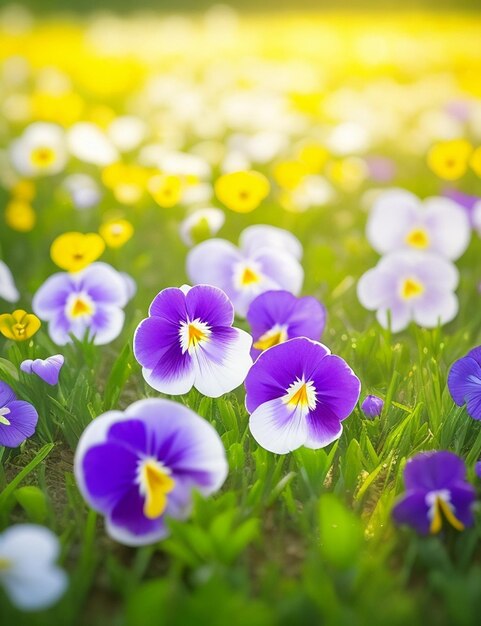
(127, 181)
(313, 156)
(73, 251)
(166, 190)
(475, 161)
(449, 159)
(116, 232)
(242, 191)
(288, 174)
(19, 215)
(19, 325)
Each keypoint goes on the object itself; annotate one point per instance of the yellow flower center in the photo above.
(42, 156)
(192, 334)
(155, 484)
(249, 277)
(271, 338)
(5, 564)
(418, 238)
(441, 509)
(81, 307)
(301, 394)
(411, 288)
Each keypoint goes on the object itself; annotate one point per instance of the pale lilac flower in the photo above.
(88, 302)
(399, 221)
(410, 286)
(28, 570)
(47, 369)
(266, 260)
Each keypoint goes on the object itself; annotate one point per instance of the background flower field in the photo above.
(302, 538)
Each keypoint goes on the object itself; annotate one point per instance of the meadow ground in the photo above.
(307, 537)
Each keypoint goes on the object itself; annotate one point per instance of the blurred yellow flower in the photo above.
(73, 251)
(475, 161)
(166, 190)
(19, 215)
(348, 174)
(116, 233)
(449, 159)
(242, 191)
(288, 174)
(127, 181)
(63, 108)
(313, 156)
(19, 325)
(23, 190)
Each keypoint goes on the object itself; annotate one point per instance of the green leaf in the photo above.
(340, 532)
(34, 503)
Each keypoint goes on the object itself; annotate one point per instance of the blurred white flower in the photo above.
(400, 220)
(40, 150)
(83, 190)
(8, 291)
(87, 142)
(28, 571)
(127, 132)
(200, 225)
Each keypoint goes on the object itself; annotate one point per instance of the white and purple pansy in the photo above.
(267, 259)
(87, 303)
(298, 394)
(140, 467)
(18, 419)
(188, 341)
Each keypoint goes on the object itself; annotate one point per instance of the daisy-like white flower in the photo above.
(8, 290)
(87, 302)
(410, 286)
(399, 220)
(188, 341)
(87, 142)
(266, 260)
(200, 225)
(140, 467)
(28, 570)
(298, 394)
(41, 150)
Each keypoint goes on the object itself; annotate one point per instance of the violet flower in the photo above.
(18, 418)
(464, 382)
(47, 369)
(276, 316)
(372, 406)
(87, 302)
(298, 394)
(140, 467)
(436, 492)
(188, 341)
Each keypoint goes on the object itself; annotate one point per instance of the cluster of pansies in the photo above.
(415, 280)
(204, 148)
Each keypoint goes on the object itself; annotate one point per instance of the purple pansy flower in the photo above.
(188, 341)
(464, 382)
(372, 406)
(276, 316)
(436, 491)
(47, 369)
(18, 419)
(298, 393)
(138, 467)
(267, 259)
(89, 301)
(410, 286)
